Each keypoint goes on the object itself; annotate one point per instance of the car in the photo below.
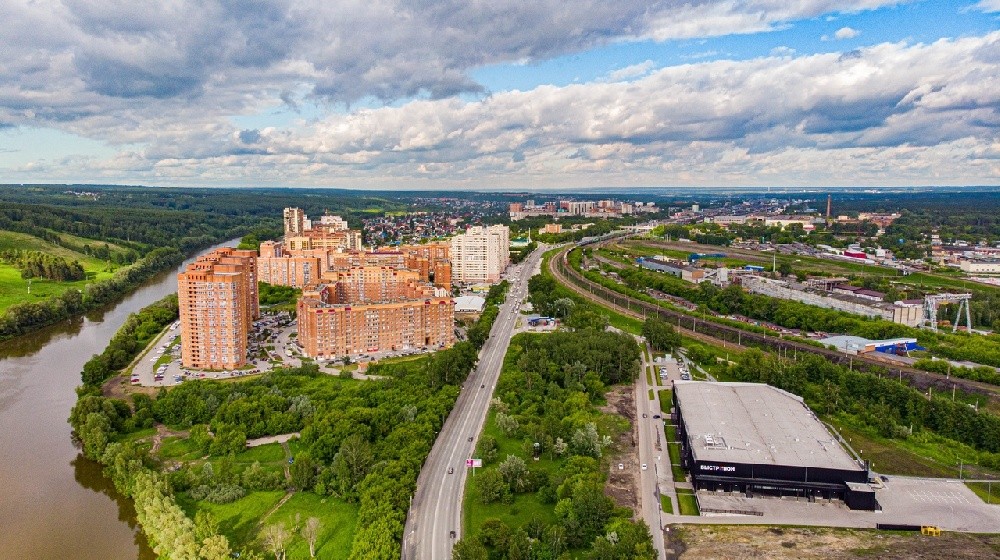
(656, 416)
(451, 534)
(621, 466)
(451, 470)
(644, 466)
(470, 438)
(643, 414)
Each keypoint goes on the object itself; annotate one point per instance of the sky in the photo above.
(500, 94)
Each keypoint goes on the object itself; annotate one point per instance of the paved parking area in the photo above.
(946, 503)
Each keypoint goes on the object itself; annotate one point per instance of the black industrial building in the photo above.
(756, 439)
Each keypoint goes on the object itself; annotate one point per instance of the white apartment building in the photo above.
(480, 254)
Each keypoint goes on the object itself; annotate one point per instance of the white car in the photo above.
(621, 466)
(644, 466)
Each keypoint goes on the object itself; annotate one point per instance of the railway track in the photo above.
(725, 335)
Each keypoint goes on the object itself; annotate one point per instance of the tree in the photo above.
(560, 446)
(506, 423)
(275, 538)
(785, 268)
(303, 472)
(95, 435)
(492, 486)
(514, 472)
(469, 549)
(661, 335)
(215, 547)
(199, 437)
(586, 441)
(310, 532)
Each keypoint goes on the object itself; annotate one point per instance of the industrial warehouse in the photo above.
(757, 439)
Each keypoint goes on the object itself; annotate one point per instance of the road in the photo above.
(436, 509)
(653, 454)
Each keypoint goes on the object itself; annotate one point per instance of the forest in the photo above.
(35, 264)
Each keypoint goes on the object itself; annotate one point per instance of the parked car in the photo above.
(644, 466)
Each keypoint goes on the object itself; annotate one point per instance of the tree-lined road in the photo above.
(436, 509)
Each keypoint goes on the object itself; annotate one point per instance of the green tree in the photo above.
(95, 435)
(492, 486)
(661, 335)
(303, 472)
(469, 549)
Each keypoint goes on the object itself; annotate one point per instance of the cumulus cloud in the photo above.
(841, 34)
(164, 85)
(988, 6)
(633, 71)
(846, 33)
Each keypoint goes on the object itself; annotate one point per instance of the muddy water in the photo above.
(54, 503)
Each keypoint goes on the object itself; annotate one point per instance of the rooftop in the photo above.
(753, 423)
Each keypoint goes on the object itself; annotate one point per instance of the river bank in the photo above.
(56, 504)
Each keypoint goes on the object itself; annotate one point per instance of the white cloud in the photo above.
(633, 71)
(841, 34)
(162, 91)
(846, 33)
(988, 6)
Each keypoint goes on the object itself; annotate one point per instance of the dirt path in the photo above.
(288, 455)
(164, 432)
(288, 478)
(288, 495)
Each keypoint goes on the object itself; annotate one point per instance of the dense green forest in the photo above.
(35, 264)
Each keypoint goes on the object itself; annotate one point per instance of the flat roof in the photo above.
(850, 342)
(468, 304)
(753, 423)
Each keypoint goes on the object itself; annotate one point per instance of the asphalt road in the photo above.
(652, 454)
(436, 508)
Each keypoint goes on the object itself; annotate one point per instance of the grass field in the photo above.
(687, 502)
(238, 520)
(666, 400)
(14, 289)
(674, 450)
(665, 504)
(337, 519)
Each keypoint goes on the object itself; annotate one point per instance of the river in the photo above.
(54, 503)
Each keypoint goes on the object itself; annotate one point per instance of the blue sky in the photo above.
(450, 94)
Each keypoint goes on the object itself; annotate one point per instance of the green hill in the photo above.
(14, 289)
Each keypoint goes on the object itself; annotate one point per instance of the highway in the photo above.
(436, 508)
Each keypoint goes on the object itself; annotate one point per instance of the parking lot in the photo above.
(271, 339)
(944, 503)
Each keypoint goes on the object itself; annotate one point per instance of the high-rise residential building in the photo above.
(295, 221)
(334, 223)
(277, 267)
(480, 254)
(374, 309)
(217, 298)
(324, 239)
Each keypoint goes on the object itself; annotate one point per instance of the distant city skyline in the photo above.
(506, 95)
